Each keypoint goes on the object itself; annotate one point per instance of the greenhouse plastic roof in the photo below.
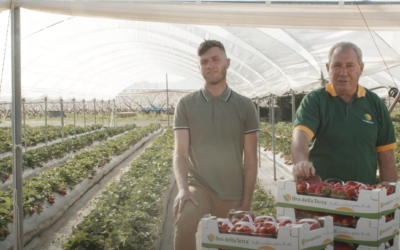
(95, 49)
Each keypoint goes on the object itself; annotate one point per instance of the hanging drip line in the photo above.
(376, 45)
(5, 49)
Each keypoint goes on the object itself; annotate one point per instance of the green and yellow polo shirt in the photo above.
(217, 126)
(346, 138)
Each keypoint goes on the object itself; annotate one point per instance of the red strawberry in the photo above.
(271, 229)
(347, 221)
(389, 190)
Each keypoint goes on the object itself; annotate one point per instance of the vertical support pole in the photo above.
(73, 107)
(115, 122)
(94, 107)
(23, 112)
(258, 133)
(167, 99)
(109, 113)
(293, 107)
(16, 125)
(62, 119)
(102, 114)
(45, 117)
(84, 115)
(273, 133)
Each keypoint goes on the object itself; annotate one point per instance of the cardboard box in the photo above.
(382, 246)
(298, 237)
(370, 204)
(369, 232)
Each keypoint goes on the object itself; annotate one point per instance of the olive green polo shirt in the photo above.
(217, 126)
(346, 138)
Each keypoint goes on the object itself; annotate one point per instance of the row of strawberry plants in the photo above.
(282, 129)
(264, 202)
(35, 135)
(282, 145)
(42, 188)
(37, 157)
(128, 211)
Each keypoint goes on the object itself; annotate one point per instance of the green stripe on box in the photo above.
(367, 243)
(317, 209)
(224, 247)
(319, 247)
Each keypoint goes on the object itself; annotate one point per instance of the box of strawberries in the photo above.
(334, 196)
(244, 230)
(392, 244)
(353, 229)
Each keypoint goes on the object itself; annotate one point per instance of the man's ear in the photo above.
(327, 67)
(199, 67)
(362, 68)
(228, 61)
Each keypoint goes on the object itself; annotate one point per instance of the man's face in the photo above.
(213, 65)
(344, 70)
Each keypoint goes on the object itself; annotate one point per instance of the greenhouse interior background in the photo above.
(93, 64)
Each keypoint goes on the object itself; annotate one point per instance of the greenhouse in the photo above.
(81, 147)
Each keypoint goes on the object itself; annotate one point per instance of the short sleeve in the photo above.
(386, 135)
(307, 115)
(180, 116)
(251, 123)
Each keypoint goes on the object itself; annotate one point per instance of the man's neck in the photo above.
(217, 89)
(347, 97)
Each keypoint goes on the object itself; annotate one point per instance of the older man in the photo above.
(215, 159)
(349, 126)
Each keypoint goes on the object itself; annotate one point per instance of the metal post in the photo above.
(16, 125)
(293, 107)
(167, 99)
(273, 133)
(84, 115)
(23, 112)
(258, 133)
(115, 123)
(102, 114)
(73, 107)
(270, 111)
(94, 107)
(109, 113)
(45, 118)
(62, 119)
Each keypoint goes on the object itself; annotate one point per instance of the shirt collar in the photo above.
(224, 96)
(360, 92)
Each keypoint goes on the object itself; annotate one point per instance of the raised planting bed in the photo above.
(48, 195)
(127, 214)
(36, 160)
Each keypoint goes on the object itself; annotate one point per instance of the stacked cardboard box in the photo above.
(372, 230)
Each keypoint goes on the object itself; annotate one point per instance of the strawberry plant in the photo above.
(37, 157)
(55, 180)
(127, 212)
(35, 135)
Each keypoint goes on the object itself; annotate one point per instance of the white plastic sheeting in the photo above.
(85, 57)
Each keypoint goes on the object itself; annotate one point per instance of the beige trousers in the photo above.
(188, 219)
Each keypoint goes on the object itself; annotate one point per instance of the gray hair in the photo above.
(346, 45)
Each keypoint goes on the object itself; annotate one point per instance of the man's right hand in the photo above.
(303, 169)
(181, 198)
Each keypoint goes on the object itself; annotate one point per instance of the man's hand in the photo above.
(243, 208)
(181, 198)
(303, 169)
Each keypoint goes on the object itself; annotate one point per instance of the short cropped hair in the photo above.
(208, 44)
(346, 45)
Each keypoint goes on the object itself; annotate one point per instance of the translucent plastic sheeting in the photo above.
(85, 58)
(341, 15)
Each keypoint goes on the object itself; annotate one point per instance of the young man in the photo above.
(349, 125)
(214, 128)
